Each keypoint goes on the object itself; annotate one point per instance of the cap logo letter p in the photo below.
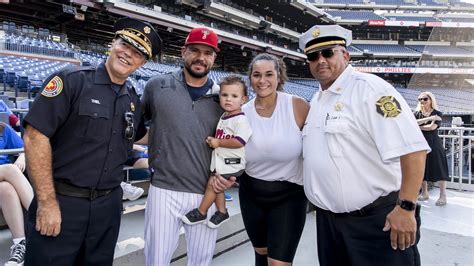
(205, 33)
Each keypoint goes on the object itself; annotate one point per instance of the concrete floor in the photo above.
(447, 234)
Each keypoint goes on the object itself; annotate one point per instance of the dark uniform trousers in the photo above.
(357, 238)
(89, 232)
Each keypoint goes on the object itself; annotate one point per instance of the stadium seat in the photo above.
(137, 174)
(2, 74)
(24, 104)
(10, 78)
(22, 83)
(4, 117)
(36, 83)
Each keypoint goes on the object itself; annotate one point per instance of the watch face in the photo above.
(406, 205)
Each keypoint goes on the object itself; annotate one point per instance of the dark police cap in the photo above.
(140, 35)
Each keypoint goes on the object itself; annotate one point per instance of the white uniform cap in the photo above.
(321, 37)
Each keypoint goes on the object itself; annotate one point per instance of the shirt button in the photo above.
(95, 114)
(116, 114)
(110, 150)
(114, 132)
(106, 169)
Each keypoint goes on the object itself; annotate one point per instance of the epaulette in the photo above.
(130, 87)
(73, 69)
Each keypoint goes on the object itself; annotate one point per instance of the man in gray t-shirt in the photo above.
(183, 109)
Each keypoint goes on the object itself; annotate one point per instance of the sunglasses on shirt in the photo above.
(129, 129)
(423, 99)
(326, 53)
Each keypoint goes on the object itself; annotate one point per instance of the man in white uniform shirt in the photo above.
(364, 159)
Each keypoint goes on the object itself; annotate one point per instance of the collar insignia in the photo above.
(147, 30)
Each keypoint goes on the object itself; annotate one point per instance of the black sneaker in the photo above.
(217, 219)
(17, 254)
(194, 217)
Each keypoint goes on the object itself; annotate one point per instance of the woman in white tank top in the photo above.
(272, 198)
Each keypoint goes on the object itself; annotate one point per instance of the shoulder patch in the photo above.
(388, 106)
(53, 88)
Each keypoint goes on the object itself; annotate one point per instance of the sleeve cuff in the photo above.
(396, 153)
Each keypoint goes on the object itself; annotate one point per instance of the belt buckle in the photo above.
(94, 194)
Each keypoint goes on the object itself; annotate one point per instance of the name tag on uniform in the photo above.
(232, 160)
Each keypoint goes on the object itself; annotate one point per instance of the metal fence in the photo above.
(458, 144)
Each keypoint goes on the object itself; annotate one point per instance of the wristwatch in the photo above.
(406, 204)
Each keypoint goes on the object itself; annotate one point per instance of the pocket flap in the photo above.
(337, 127)
(94, 110)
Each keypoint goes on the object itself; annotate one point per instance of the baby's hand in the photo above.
(212, 142)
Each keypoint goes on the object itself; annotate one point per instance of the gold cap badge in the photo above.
(316, 33)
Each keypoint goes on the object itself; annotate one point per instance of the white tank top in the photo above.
(274, 150)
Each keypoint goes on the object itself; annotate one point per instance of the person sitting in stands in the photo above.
(138, 160)
(13, 120)
(15, 192)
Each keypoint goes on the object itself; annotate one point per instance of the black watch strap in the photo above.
(406, 204)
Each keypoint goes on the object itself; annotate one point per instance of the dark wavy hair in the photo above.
(280, 68)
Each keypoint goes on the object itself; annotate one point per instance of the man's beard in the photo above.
(195, 74)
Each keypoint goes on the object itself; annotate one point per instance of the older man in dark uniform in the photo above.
(78, 134)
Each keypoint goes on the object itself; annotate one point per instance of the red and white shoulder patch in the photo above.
(53, 88)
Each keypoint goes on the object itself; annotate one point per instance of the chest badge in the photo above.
(53, 88)
(132, 107)
(388, 106)
(338, 106)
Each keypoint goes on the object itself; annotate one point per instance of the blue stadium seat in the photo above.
(4, 117)
(6, 100)
(137, 174)
(22, 82)
(36, 83)
(2, 74)
(5, 25)
(10, 78)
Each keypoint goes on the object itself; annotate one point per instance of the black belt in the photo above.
(391, 198)
(80, 192)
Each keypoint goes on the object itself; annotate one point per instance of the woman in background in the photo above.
(436, 169)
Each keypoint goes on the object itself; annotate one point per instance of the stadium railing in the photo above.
(458, 143)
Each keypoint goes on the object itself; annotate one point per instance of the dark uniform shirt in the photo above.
(85, 121)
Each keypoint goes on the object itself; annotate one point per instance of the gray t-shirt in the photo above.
(178, 152)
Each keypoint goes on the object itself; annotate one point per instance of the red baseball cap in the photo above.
(203, 36)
